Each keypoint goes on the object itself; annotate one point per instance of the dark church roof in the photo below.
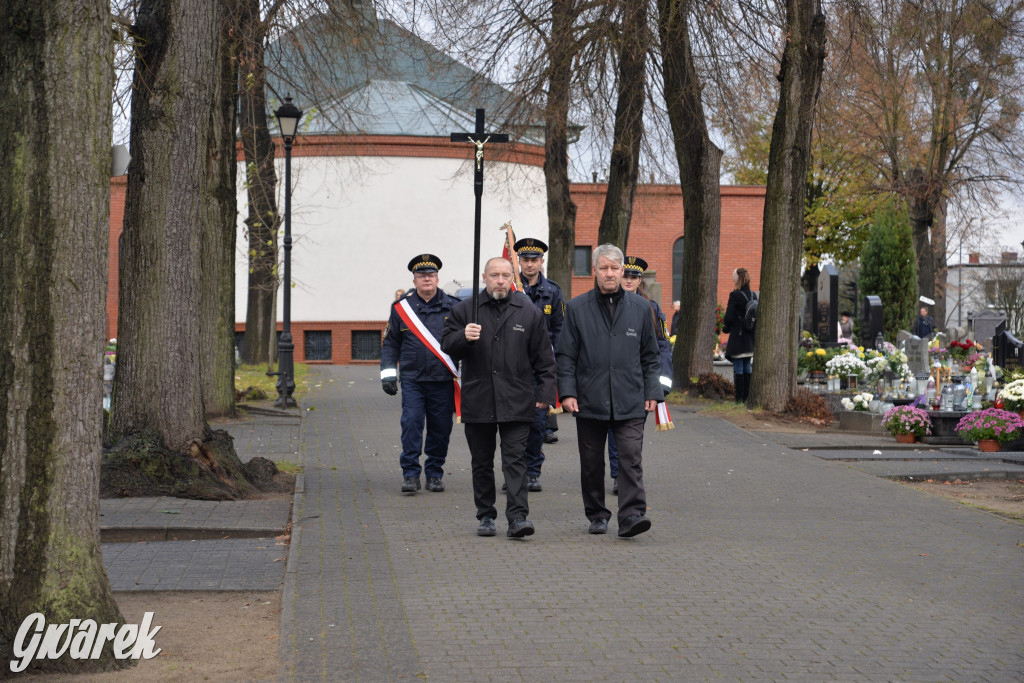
(383, 80)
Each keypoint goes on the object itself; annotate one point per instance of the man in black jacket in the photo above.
(608, 376)
(504, 356)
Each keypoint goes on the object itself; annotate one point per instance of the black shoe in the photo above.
(518, 528)
(550, 437)
(634, 525)
(599, 526)
(410, 485)
(486, 527)
(533, 484)
(435, 484)
(615, 485)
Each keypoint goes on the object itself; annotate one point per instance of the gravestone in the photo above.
(827, 309)
(1006, 349)
(983, 325)
(809, 285)
(870, 320)
(917, 351)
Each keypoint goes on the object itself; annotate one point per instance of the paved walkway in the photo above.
(764, 563)
(168, 543)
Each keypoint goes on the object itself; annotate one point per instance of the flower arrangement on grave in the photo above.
(976, 360)
(960, 350)
(860, 401)
(814, 360)
(937, 354)
(110, 353)
(991, 423)
(907, 420)
(876, 367)
(719, 320)
(1012, 396)
(846, 364)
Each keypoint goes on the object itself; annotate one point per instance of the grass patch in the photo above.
(288, 467)
(256, 376)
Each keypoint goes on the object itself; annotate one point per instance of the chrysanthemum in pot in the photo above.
(990, 428)
(907, 423)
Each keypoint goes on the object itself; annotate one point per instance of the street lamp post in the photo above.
(288, 116)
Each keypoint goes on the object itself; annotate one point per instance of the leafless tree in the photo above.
(800, 74)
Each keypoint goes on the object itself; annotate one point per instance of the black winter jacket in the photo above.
(402, 348)
(741, 341)
(611, 369)
(500, 368)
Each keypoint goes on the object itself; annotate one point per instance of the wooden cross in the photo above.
(479, 138)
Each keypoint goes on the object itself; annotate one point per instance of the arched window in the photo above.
(677, 268)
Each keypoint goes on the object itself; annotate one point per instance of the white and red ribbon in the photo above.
(662, 420)
(417, 327)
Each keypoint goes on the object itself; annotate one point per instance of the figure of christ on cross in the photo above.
(479, 138)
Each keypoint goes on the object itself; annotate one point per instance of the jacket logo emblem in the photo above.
(518, 328)
(631, 332)
(547, 309)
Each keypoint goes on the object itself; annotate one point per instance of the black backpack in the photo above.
(750, 313)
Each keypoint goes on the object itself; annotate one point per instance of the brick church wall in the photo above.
(658, 221)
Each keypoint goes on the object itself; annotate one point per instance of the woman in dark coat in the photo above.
(740, 347)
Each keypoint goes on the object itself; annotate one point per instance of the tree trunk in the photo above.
(561, 207)
(699, 170)
(921, 212)
(629, 126)
(263, 220)
(57, 65)
(774, 380)
(217, 325)
(158, 386)
(939, 259)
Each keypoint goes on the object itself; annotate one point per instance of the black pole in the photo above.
(478, 190)
(285, 347)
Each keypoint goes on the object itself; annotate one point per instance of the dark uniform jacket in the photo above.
(547, 296)
(402, 347)
(610, 366)
(664, 345)
(741, 341)
(500, 368)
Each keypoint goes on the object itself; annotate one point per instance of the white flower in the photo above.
(846, 364)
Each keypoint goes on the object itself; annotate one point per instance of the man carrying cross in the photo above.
(412, 342)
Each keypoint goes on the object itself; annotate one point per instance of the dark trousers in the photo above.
(433, 403)
(613, 451)
(481, 439)
(535, 442)
(629, 436)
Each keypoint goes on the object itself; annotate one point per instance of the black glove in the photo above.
(390, 386)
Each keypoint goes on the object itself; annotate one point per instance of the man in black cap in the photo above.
(412, 340)
(546, 295)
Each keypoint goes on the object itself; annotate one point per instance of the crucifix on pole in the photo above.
(479, 138)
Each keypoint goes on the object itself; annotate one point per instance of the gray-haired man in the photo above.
(608, 377)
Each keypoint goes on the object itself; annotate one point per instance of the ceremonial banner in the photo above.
(508, 251)
(662, 420)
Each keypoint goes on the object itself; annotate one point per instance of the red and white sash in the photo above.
(417, 327)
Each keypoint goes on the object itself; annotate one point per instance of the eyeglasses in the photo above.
(425, 276)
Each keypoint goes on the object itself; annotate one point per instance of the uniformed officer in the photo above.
(428, 391)
(632, 274)
(547, 296)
